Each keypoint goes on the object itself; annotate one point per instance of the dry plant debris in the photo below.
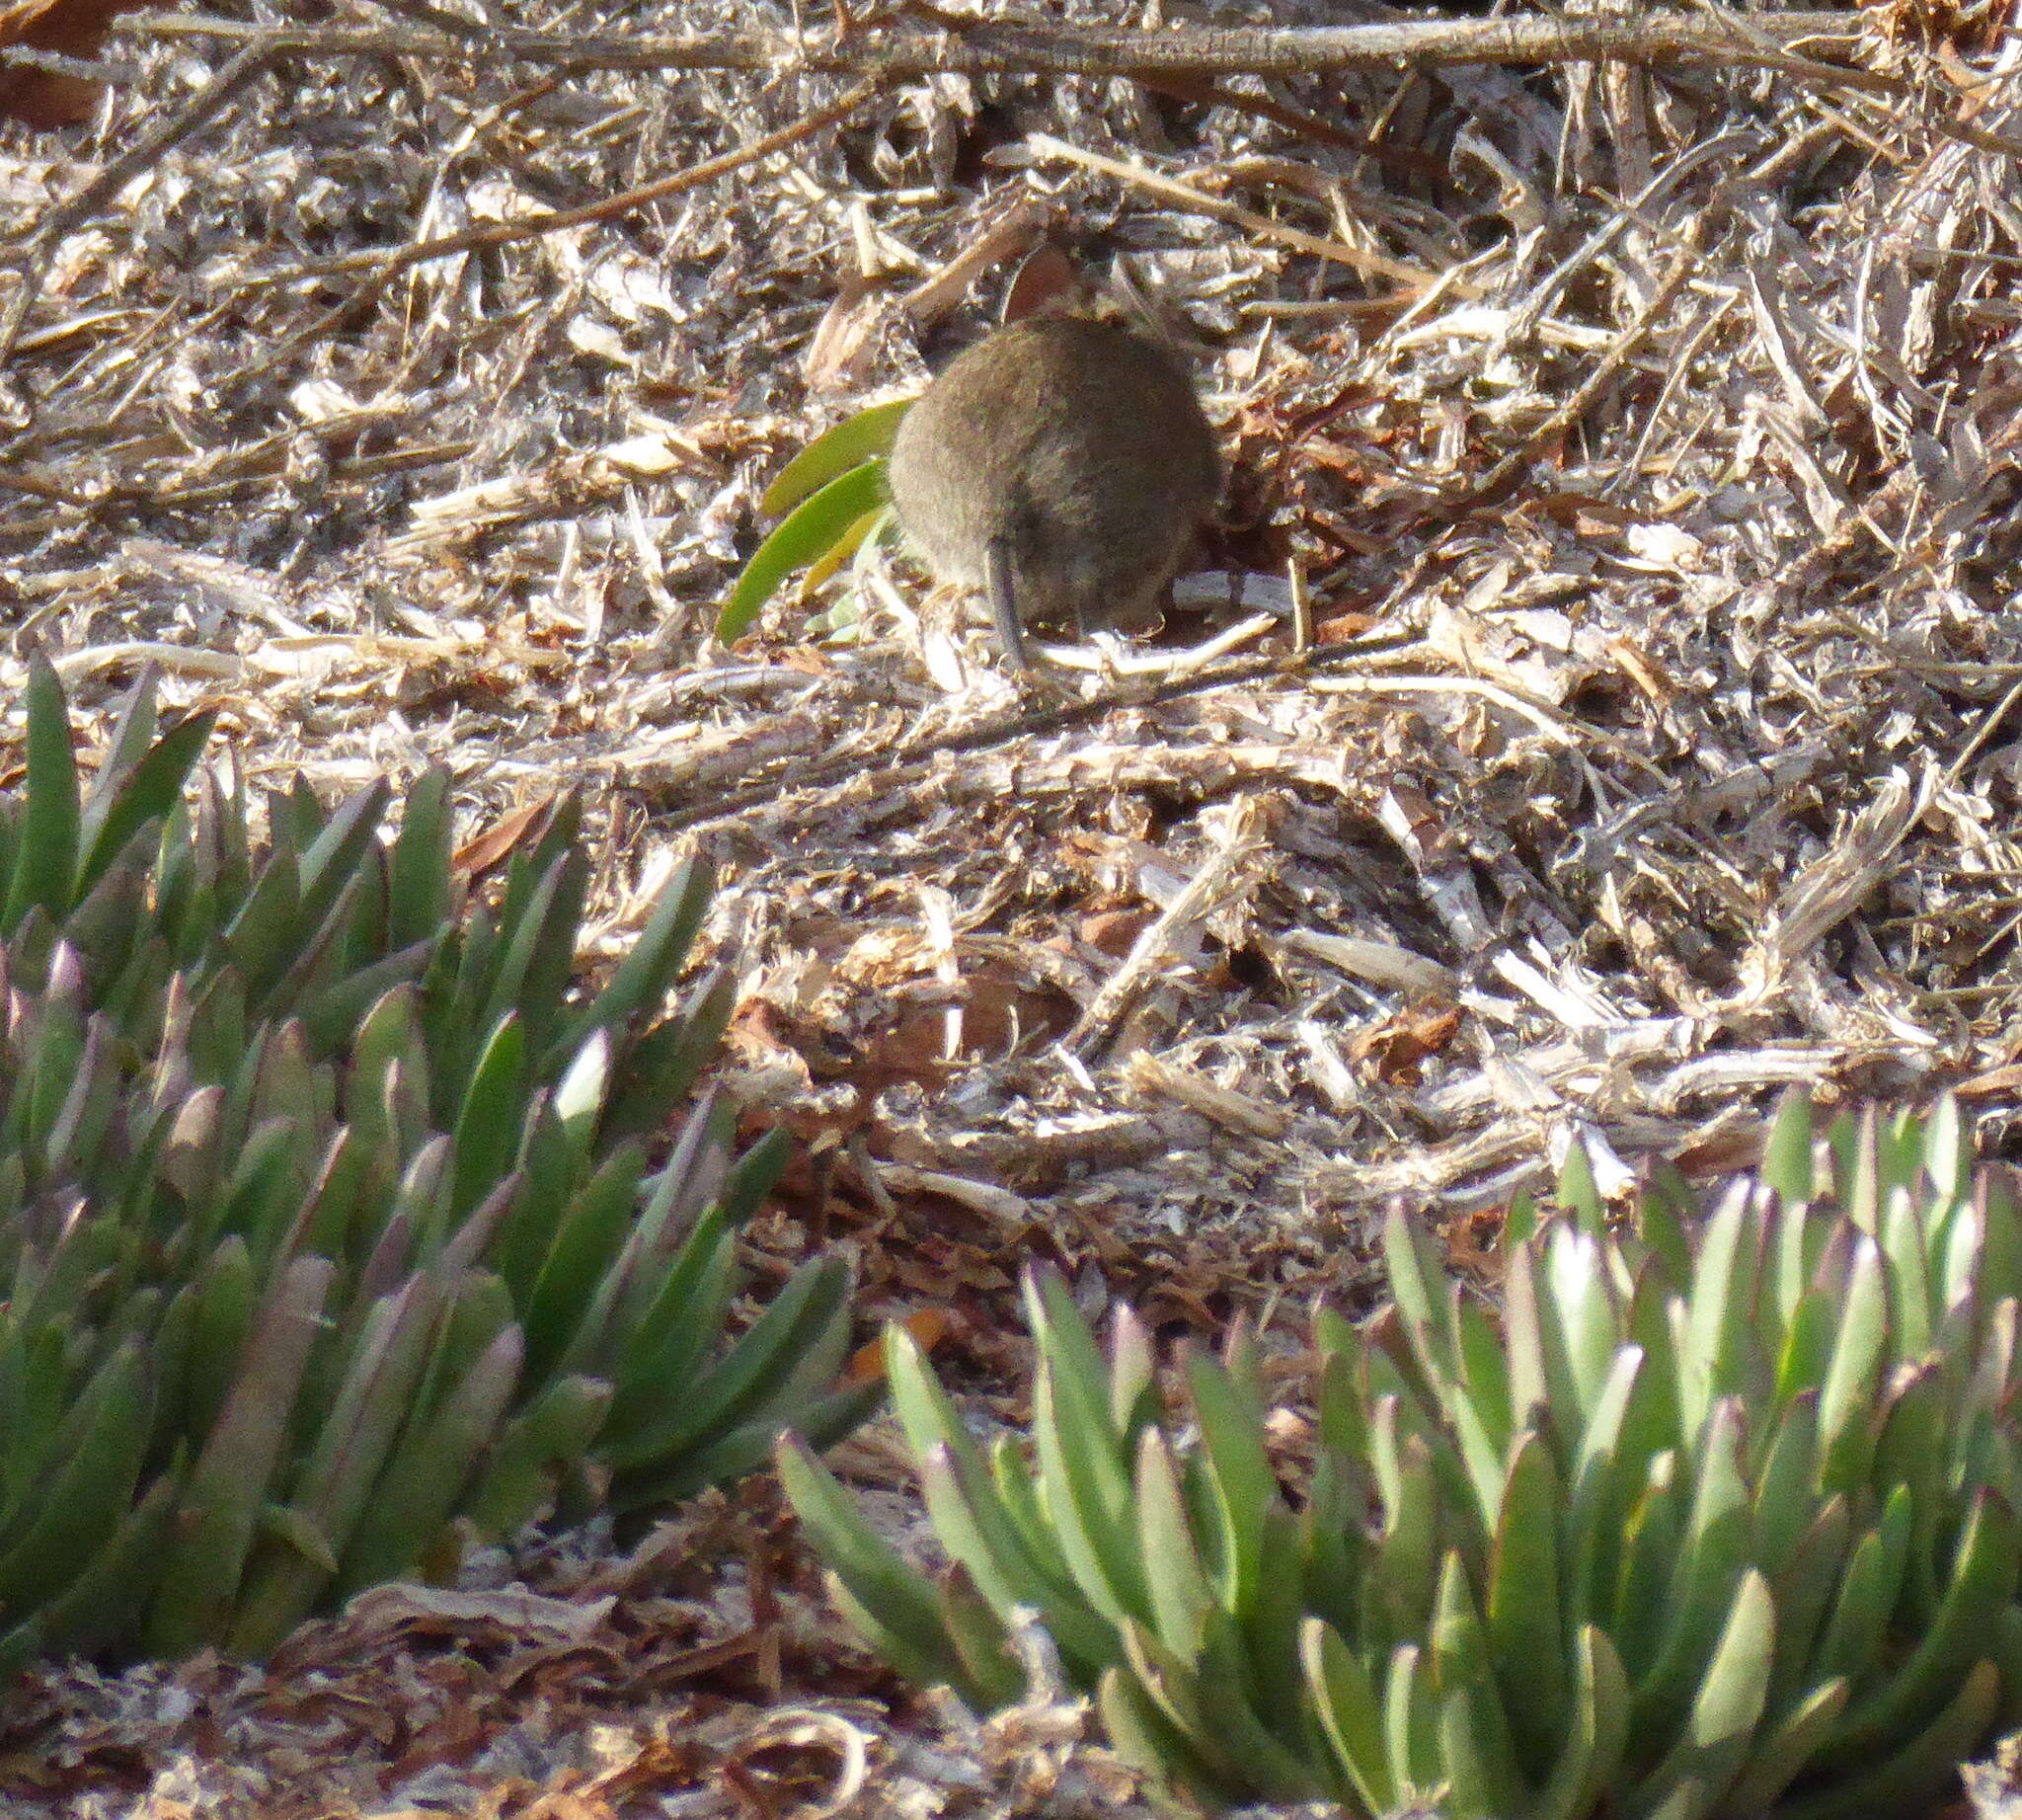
(1656, 422)
(675, 1677)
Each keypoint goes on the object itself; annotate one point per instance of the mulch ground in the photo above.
(1651, 428)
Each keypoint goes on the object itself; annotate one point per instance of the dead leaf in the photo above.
(1474, 1243)
(928, 1327)
(483, 850)
(1114, 932)
(1398, 1047)
(846, 342)
(43, 98)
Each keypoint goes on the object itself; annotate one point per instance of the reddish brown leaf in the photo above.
(1398, 1049)
(928, 1327)
(483, 850)
(43, 98)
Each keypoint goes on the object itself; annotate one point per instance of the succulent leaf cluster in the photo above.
(1716, 1516)
(336, 1231)
(829, 498)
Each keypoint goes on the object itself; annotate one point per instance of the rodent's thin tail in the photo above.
(1003, 603)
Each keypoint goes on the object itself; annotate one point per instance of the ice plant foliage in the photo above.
(1716, 1516)
(336, 1231)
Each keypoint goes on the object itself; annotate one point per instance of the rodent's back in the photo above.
(1080, 445)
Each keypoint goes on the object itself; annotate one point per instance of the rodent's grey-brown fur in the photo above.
(1063, 466)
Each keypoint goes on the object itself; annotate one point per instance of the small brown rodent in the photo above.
(1063, 466)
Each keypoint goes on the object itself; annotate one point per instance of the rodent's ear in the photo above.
(1049, 283)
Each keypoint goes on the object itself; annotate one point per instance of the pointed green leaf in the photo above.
(1720, 1731)
(1787, 1154)
(864, 436)
(1350, 1712)
(1868, 1595)
(908, 1630)
(803, 537)
(523, 1468)
(87, 1497)
(431, 1464)
(227, 1486)
(420, 892)
(45, 855)
(1784, 1750)
(1982, 1580)
(1526, 1629)
(1596, 1735)
(494, 1111)
(1919, 1775)
(1146, 1739)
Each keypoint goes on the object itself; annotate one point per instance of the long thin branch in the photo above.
(387, 263)
(987, 47)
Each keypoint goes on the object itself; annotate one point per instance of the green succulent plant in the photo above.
(1718, 1517)
(336, 1231)
(830, 498)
